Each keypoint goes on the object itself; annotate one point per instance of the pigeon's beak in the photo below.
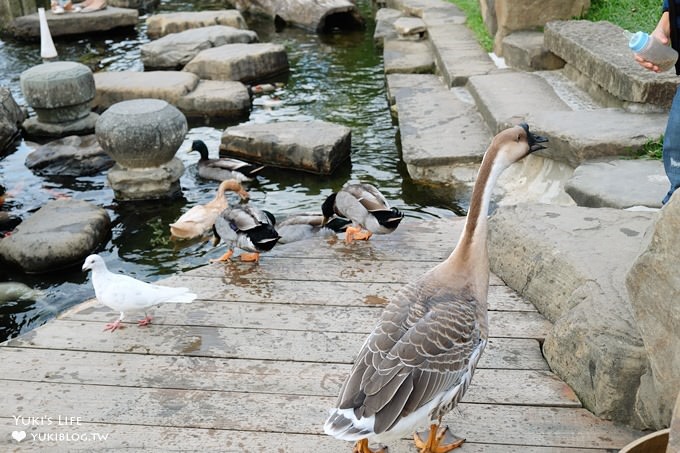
(85, 267)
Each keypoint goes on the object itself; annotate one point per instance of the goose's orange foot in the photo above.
(250, 257)
(144, 322)
(224, 257)
(435, 436)
(362, 235)
(362, 447)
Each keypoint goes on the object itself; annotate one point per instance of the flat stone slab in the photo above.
(525, 50)
(247, 63)
(317, 15)
(578, 136)
(618, 184)
(58, 235)
(28, 27)
(315, 147)
(384, 25)
(34, 128)
(162, 24)
(599, 50)
(192, 96)
(438, 130)
(175, 50)
(407, 57)
(69, 156)
(506, 98)
(408, 26)
(457, 53)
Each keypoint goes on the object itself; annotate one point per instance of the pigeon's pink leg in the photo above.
(113, 326)
(144, 322)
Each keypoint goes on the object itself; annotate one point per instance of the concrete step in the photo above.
(443, 137)
(407, 57)
(600, 54)
(525, 50)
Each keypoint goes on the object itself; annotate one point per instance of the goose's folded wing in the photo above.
(416, 352)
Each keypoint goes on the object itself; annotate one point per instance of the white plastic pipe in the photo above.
(47, 49)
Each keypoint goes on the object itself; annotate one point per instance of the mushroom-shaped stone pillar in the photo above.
(61, 94)
(142, 136)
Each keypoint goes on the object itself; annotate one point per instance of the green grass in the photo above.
(630, 15)
(650, 150)
(475, 22)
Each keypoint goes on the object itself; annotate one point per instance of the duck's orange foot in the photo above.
(144, 322)
(434, 443)
(356, 233)
(224, 257)
(250, 257)
(362, 447)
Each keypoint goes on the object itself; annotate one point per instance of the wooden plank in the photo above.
(483, 423)
(320, 292)
(304, 317)
(162, 438)
(491, 386)
(264, 344)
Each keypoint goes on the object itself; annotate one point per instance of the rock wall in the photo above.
(502, 17)
(653, 284)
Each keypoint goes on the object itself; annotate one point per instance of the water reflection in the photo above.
(336, 77)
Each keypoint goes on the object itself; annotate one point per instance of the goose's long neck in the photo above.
(470, 258)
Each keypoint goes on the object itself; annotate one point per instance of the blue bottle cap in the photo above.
(638, 41)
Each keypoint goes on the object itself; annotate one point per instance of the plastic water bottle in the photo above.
(651, 49)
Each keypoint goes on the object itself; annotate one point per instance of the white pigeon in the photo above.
(125, 294)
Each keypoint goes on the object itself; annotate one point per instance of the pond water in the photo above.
(336, 77)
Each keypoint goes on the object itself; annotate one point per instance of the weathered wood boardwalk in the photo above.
(254, 364)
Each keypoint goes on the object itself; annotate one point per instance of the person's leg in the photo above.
(671, 147)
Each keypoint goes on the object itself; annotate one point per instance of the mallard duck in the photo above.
(124, 294)
(247, 228)
(200, 219)
(366, 207)
(419, 360)
(223, 167)
(299, 227)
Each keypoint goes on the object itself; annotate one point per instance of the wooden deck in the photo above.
(254, 364)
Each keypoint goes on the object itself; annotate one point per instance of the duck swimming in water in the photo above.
(417, 363)
(366, 207)
(223, 167)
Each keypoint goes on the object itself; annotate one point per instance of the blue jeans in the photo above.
(671, 147)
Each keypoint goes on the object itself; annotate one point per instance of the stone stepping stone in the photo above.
(384, 25)
(11, 117)
(247, 63)
(191, 95)
(443, 138)
(162, 24)
(318, 15)
(316, 147)
(407, 57)
(58, 235)
(525, 50)
(175, 50)
(502, 104)
(27, 27)
(69, 156)
(618, 184)
(599, 51)
(579, 136)
(410, 28)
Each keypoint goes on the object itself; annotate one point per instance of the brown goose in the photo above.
(419, 360)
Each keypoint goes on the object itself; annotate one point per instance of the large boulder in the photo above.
(247, 63)
(162, 24)
(571, 262)
(69, 156)
(502, 17)
(175, 50)
(316, 147)
(110, 18)
(11, 117)
(59, 235)
(654, 288)
(317, 15)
